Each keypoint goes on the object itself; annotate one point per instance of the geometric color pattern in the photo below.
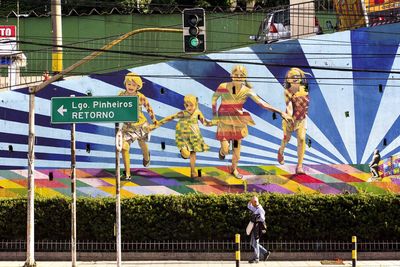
(320, 179)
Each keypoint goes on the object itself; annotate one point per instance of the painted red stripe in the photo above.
(346, 178)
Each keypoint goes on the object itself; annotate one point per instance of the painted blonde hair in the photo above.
(302, 75)
(191, 99)
(242, 69)
(133, 77)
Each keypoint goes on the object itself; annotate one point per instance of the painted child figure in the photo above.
(231, 117)
(188, 137)
(297, 103)
(133, 131)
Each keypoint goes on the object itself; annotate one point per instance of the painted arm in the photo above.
(288, 101)
(170, 118)
(144, 102)
(215, 97)
(259, 101)
(204, 121)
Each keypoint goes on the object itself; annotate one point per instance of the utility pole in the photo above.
(57, 54)
(30, 242)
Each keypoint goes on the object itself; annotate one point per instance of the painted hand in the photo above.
(287, 117)
(149, 128)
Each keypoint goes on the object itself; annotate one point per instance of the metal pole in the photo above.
(73, 193)
(17, 24)
(118, 148)
(57, 56)
(237, 254)
(354, 251)
(30, 252)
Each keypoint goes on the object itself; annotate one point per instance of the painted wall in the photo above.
(348, 117)
(224, 31)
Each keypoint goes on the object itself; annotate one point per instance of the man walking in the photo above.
(258, 218)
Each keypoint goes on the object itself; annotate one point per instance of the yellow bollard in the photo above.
(354, 251)
(237, 254)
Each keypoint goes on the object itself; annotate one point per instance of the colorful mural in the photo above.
(353, 110)
(320, 179)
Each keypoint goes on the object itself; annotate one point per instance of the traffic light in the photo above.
(194, 30)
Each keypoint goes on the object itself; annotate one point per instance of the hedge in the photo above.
(208, 217)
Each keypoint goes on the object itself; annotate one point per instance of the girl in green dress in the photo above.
(188, 136)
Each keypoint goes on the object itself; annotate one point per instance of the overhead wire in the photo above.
(166, 57)
(163, 56)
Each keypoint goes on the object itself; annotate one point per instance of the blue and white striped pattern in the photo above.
(338, 84)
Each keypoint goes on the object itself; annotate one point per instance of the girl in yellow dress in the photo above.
(132, 131)
(188, 137)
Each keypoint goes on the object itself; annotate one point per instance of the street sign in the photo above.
(8, 44)
(94, 109)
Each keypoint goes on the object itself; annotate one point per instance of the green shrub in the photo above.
(208, 217)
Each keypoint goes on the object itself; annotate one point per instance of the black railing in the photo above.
(200, 246)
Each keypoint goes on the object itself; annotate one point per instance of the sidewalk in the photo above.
(204, 264)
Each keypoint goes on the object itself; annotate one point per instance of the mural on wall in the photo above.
(132, 131)
(232, 120)
(351, 107)
(188, 136)
(297, 102)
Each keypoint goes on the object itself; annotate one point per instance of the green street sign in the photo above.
(94, 109)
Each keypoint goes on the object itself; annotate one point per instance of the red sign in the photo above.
(8, 31)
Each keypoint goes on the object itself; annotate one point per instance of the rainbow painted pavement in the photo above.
(324, 179)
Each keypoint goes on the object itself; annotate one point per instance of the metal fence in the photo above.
(200, 246)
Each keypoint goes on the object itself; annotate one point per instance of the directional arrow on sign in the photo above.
(61, 110)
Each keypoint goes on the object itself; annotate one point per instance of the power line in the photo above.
(160, 56)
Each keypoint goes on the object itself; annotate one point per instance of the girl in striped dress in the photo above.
(232, 120)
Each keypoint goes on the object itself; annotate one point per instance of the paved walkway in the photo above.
(206, 264)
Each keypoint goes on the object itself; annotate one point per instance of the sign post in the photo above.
(94, 109)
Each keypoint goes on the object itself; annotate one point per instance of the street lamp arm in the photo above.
(95, 54)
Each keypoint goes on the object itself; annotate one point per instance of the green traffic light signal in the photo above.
(194, 42)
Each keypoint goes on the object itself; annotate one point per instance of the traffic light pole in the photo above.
(30, 261)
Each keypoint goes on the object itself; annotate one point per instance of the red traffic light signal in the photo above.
(194, 30)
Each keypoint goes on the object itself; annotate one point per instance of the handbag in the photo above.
(249, 228)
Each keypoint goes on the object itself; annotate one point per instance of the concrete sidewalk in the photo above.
(206, 264)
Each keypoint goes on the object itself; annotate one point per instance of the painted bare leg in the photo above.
(224, 150)
(235, 159)
(126, 159)
(301, 148)
(193, 172)
(286, 137)
(146, 153)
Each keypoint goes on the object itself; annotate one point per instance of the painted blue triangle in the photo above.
(279, 58)
(373, 49)
(208, 73)
(392, 135)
